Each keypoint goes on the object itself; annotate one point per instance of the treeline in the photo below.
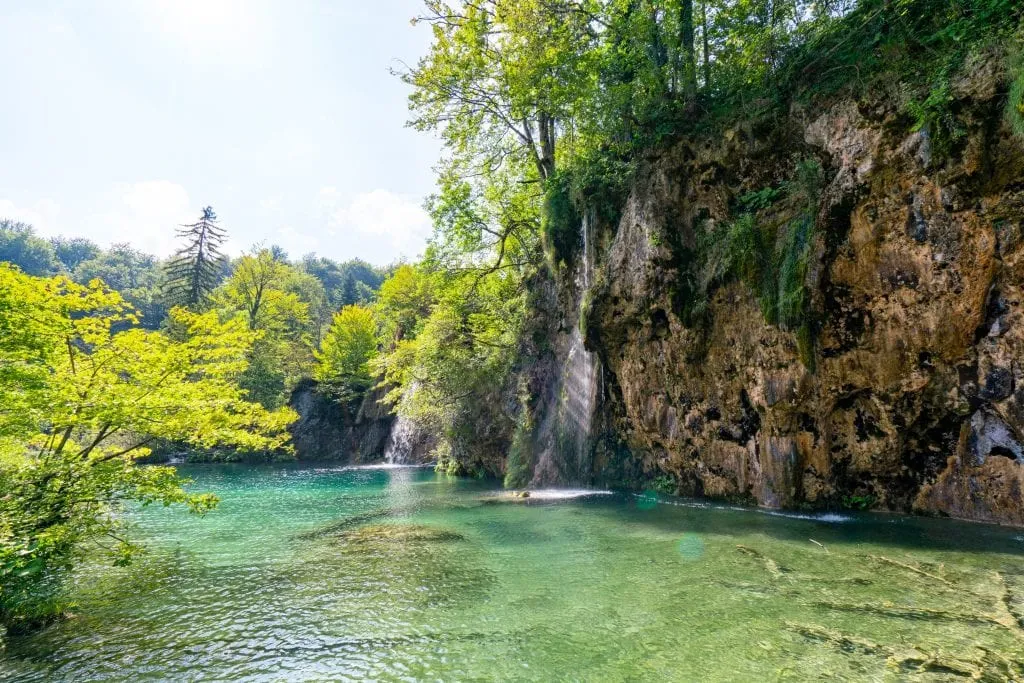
(142, 277)
(290, 303)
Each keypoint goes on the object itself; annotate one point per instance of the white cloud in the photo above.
(144, 213)
(391, 224)
(41, 215)
(295, 242)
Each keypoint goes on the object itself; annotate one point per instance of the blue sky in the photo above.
(122, 118)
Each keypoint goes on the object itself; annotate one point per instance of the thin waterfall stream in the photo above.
(565, 436)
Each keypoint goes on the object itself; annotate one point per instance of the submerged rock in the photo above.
(399, 533)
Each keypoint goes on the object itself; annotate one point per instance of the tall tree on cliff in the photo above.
(502, 76)
(687, 54)
(195, 270)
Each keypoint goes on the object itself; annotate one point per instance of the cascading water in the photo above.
(405, 438)
(564, 438)
(401, 440)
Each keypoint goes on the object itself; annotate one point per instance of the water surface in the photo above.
(403, 574)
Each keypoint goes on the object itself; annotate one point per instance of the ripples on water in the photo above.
(399, 573)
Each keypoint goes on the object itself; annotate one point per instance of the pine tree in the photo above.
(195, 269)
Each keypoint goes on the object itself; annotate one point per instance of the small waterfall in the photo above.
(401, 441)
(406, 440)
(565, 436)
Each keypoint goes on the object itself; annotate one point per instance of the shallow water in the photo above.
(334, 574)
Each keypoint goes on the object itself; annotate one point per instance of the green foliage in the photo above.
(452, 375)
(345, 283)
(561, 223)
(84, 392)
(759, 199)
(865, 502)
(599, 182)
(195, 270)
(934, 116)
(665, 484)
(1014, 111)
(519, 463)
(343, 362)
(771, 260)
(73, 250)
(274, 300)
(404, 302)
(134, 274)
(19, 245)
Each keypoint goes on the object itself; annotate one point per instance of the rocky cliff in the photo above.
(904, 387)
(331, 430)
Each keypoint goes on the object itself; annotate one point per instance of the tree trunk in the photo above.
(546, 124)
(704, 38)
(689, 75)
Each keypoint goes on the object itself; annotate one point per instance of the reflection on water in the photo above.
(400, 573)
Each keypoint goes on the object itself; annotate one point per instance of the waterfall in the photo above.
(406, 442)
(564, 439)
(401, 441)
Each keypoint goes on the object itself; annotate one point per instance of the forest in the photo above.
(550, 113)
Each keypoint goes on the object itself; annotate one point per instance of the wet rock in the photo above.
(331, 430)
(915, 291)
(988, 436)
(998, 385)
(399, 533)
(984, 481)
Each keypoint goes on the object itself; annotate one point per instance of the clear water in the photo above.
(402, 574)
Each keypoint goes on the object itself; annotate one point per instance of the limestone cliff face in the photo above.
(911, 395)
(328, 430)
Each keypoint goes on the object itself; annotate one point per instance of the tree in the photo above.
(20, 245)
(258, 287)
(82, 398)
(135, 274)
(348, 282)
(688, 55)
(194, 271)
(264, 291)
(343, 362)
(503, 75)
(404, 301)
(72, 251)
(451, 376)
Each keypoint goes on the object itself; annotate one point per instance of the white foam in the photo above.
(828, 517)
(378, 466)
(386, 466)
(561, 494)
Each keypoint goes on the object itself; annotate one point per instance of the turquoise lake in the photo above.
(405, 574)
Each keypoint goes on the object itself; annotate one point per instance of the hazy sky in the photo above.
(122, 118)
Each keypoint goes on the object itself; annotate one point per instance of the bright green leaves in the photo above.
(275, 300)
(343, 362)
(82, 393)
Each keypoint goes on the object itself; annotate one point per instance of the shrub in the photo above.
(560, 228)
(771, 260)
(1015, 98)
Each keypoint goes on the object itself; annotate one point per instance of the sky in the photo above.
(121, 119)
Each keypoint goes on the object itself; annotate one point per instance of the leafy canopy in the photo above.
(343, 362)
(81, 398)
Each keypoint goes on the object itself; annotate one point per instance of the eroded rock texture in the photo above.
(330, 430)
(913, 394)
